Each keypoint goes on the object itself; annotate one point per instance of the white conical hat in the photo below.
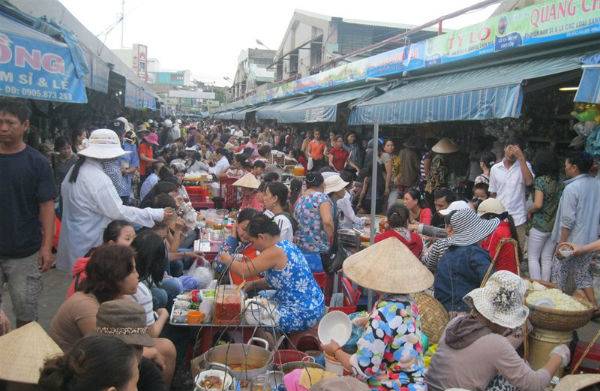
(248, 180)
(23, 352)
(388, 266)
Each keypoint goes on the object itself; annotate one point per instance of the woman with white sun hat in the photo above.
(90, 200)
(474, 354)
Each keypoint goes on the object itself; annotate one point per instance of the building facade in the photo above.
(136, 58)
(312, 41)
(252, 71)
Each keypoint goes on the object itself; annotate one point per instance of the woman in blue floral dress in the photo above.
(390, 350)
(299, 300)
(314, 213)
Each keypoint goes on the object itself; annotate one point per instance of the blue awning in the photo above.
(272, 111)
(223, 115)
(36, 66)
(493, 92)
(589, 86)
(322, 108)
(240, 114)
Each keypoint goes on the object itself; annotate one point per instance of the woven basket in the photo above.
(434, 316)
(559, 320)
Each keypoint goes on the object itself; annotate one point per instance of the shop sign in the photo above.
(542, 22)
(37, 70)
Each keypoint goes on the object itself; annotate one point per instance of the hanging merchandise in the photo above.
(506, 128)
(588, 127)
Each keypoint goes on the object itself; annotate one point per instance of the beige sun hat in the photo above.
(577, 382)
(103, 144)
(388, 266)
(248, 180)
(445, 145)
(334, 183)
(23, 352)
(501, 300)
(491, 205)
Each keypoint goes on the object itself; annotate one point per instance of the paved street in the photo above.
(55, 286)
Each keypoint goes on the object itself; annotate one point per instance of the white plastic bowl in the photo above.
(335, 326)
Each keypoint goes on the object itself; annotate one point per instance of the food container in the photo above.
(228, 305)
(559, 320)
(195, 317)
(244, 361)
(298, 170)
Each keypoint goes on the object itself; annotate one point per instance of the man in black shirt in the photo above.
(27, 195)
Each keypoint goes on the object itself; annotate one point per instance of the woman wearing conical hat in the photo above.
(438, 173)
(390, 351)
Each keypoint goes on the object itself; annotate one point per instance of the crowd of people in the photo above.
(127, 229)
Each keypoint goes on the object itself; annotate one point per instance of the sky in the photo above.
(206, 36)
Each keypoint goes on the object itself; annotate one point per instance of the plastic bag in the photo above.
(202, 274)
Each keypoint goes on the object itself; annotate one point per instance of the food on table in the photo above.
(195, 294)
(181, 305)
(242, 367)
(556, 299)
(195, 317)
(179, 315)
(535, 286)
(208, 294)
(194, 306)
(211, 382)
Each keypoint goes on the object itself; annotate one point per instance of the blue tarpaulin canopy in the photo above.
(240, 114)
(589, 86)
(322, 108)
(492, 92)
(36, 66)
(272, 111)
(225, 115)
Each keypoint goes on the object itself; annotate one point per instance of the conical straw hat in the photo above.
(248, 180)
(388, 266)
(445, 145)
(23, 352)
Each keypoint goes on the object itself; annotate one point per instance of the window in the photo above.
(279, 70)
(294, 62)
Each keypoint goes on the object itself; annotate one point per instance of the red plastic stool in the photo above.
(324, 283)
(591, 362)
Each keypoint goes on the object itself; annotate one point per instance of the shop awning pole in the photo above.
(374, 180)
(373, 194)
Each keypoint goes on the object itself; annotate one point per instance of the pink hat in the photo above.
(152, 138)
